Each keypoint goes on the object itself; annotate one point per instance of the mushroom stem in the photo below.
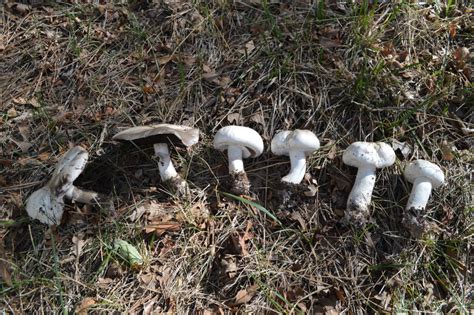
(165, 165)
(298, 168)
(420, 194)
(361, 193)
(82, 196)
(236, 165)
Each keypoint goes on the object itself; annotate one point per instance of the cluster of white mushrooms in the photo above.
(46, 204)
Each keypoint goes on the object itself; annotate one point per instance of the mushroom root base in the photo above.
(415, 221)
(356, 215)
(240, 184)
(178, 186)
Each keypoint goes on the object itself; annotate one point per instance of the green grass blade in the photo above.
(256, 205)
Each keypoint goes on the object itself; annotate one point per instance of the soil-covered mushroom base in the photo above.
(239, 183)
(415, 221)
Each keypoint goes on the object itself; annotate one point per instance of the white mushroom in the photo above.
(298, 144)
(425, 176)
(47, 203)
(367, 156)
(239, 142)
(160, 136)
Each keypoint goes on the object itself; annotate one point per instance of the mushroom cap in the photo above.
(45, 206)
(161, 133)
(69, 167)
(246, 138)
(364, 154)
(425, 169)
(299, 140)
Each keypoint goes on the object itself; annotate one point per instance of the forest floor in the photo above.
(76, 74)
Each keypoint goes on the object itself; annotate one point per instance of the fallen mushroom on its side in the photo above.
(239, 142)
(161, 136)
(425, 176)
(367, 157)
(47, 203)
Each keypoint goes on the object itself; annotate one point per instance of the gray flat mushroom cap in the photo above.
(162, 133)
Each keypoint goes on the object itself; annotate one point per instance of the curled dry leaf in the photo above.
(312, 191)
(161, 228)
(447, 151)
(84, 306)
(461, 56)
(5, 275)
(12, 113)
(404, 148)
(78, 246)
(148, 89)
(234, 118)
(245, 295)
(18, 7)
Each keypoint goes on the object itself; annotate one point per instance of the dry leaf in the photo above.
(206, 68)
(461, 56)
(234, 118)
(34, 102)
(245, 295)
(452, 29)
(162, 227)
(43, 157)
(104, 283)
(5, 275)
(329, 43)
(164, 60)
(248, 48)
(137, 213)
(78, 245)
(244, 238)
(24, 146)
(11, 113)
(258, 118)
(199, 212)
(223, 81)
(18, 7)
(311, 192)
(148, 307)
(148, 89)
(404, 147)
(447, 151)
(86, 303)
(20, 101)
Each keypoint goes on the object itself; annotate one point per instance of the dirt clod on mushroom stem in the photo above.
(239, 183)
(415, 222)
(355, 215)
